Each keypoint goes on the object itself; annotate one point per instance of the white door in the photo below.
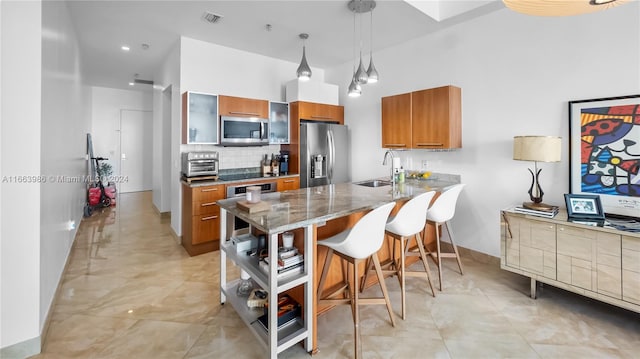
(136, 131)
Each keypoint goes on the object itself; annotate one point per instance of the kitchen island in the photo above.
(312, 214)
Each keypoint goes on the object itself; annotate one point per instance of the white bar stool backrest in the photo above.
(411, 217)
(365, 237)
(444, 207)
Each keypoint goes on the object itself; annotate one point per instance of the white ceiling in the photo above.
(104, 26)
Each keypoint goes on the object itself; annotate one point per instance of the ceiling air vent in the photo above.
(143, 82)
(211, 17)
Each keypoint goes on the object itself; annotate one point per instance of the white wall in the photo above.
(210, 68)
(106, 104)
(167, 78)
(44, 124)
(21, 131)
(517, 74)
(63, 147)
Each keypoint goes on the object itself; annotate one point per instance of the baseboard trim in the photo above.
(163, 215)
(175, 236)
(470, 253)
(23, 349)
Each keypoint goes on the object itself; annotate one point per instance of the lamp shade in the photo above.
(560, 7)
(537, 148)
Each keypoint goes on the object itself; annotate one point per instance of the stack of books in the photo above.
(288, 311)
(289, 263)
(553, 210)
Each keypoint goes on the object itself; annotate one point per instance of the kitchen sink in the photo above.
(375, 183)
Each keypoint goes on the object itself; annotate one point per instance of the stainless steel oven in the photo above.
(199, 164)
(238, 190)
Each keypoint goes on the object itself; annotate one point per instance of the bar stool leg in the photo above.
(355, 307)
(439, 258)
(402, 277)
(325, 271)
(423, 257)
(390, 266)
(385, 293)
(455, 248)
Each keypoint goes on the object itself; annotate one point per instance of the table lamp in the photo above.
(537, 149)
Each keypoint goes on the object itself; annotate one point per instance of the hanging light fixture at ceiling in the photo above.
(354, 88)
(304, 71)
(372, 73)
(560, 7)
(361, 76)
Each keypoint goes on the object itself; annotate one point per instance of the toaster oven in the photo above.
(196, 164)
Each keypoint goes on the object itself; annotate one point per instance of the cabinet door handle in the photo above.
(430, 144)
(209, 189)
(561, 228)
(208, 204)
(244, 113)
(288, 181)
(506, 220)
(394, 145)
(322, 117)
(208, 218)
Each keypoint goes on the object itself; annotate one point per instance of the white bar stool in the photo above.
(354, 245)
(404, 226)
(441, 213)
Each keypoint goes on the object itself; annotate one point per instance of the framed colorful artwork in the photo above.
(605, 152)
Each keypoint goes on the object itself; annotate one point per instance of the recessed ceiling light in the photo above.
(131, 83)
(125, 48)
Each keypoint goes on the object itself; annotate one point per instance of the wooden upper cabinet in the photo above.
(320, 112)
(437, 118)
(243, 107)
(396, 121)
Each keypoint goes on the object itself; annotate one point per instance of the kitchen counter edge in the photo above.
(204, 183)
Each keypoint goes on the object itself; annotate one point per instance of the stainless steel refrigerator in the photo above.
(324, 154)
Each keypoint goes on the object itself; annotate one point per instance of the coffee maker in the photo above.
(284, 162)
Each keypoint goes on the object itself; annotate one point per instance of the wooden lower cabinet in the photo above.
(631, 269)
(289, 183)
(590, 260)
(201, 218)
(532, 247)
(597, 262)
(201, 214)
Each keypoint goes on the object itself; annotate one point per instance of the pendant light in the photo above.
(361, 75)
(304, 71)
(372, 73)
(354, 88)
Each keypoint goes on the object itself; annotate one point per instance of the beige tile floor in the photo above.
(130, 291)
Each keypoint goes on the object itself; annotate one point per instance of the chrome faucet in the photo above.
(388, 154)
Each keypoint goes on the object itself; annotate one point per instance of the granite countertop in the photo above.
(221, 181)
(305, 206)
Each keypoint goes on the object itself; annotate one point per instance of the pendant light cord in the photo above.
(371, 33)
(354, 43)
(361, 32)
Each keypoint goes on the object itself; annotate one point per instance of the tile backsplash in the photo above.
(236, 157)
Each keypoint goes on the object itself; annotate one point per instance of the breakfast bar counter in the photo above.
(311, 214)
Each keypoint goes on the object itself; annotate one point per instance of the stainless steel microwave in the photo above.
(244, 131)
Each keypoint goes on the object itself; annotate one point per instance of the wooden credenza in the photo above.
(597, 262)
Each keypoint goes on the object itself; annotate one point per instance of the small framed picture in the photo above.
(584, 206)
